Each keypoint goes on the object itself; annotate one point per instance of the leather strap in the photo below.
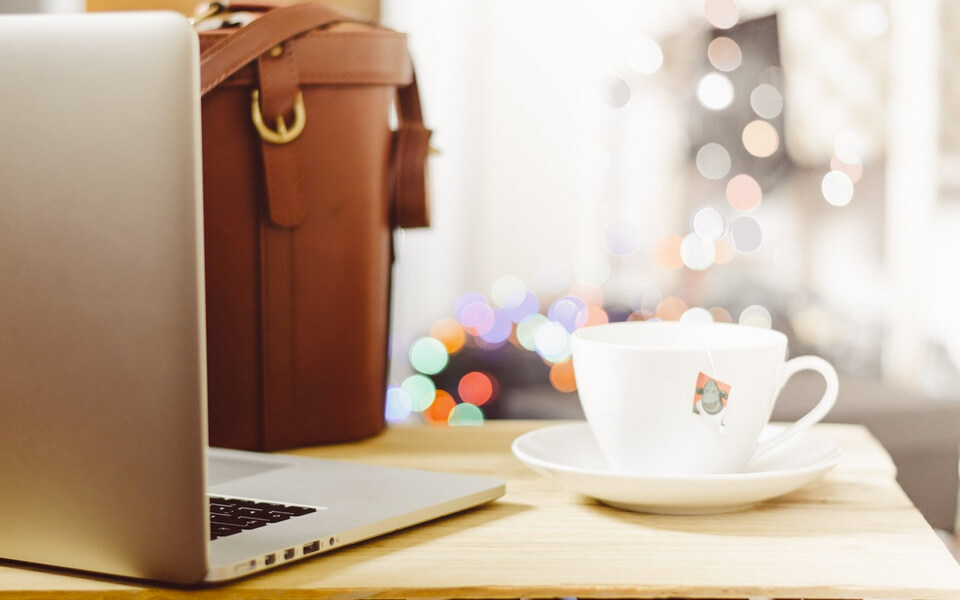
(411, 206)
(246, 45)
(282, 163)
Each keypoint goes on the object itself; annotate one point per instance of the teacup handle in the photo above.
(818, 412)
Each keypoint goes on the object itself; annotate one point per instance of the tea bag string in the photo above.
(716, 376)
(713, 365)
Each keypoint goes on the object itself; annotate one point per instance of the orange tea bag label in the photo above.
(711, 395)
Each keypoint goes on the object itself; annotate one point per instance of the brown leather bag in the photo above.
(304, 181)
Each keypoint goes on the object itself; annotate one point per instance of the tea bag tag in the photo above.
(710, 399)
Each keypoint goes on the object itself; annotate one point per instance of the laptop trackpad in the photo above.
(221, 469)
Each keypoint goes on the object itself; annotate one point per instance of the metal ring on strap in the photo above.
(282, 135)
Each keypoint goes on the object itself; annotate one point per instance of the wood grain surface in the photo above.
(852, 534)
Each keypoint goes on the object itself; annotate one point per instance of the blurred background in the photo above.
(781, 164)
(789, 164)
(785, 164)
(636, 160)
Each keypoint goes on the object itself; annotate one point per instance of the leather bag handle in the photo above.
(278, 24)
(275, 26)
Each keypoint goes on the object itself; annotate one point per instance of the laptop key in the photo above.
(244, 522)
(296, 511)
(255, 513)
(225, 501)
(229, 516)
(268, 506)
(224, 530)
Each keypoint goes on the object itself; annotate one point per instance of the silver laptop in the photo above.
(103, 458)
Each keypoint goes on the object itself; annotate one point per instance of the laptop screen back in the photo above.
(102, 407)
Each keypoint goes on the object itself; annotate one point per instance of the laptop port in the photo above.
(245, 567)
(289, 553)
(270, 559)
(311, 547)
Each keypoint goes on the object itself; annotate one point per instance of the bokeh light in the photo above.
(508, 291)
(756, 316)
(715, 91)
(724, 54)
(439, 410)
(744, 193)
(697, 253)
(720, 315)
(707, 223)
(529, 306)
(552, 341)
(745, 234)
(570, 312)
(837, 188)
(671, 309)
(760, 138)
(399, 404)
(475, 388)
(450, 334)
(527, 331)
(499, 331)
(722, 14)
(644, 55)
(666, 252)
(621, 238)
(766, 101)
(854, 171)
(477, 317)
(596, 316)
(465, 415)
(562, 377)
(713, 161)
(849, 147)
(725, 252)
(421, 390)
(428, 355)
(464, 300)
(614, 92)
(696, 315)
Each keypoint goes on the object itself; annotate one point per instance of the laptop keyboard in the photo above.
(230, 516)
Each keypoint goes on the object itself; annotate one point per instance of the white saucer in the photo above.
(569, 454)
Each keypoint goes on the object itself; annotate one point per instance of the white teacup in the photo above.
(667, 397)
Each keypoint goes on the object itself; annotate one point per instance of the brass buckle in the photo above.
(282, 135)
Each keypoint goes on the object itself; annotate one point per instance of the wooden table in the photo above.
(853, 534)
